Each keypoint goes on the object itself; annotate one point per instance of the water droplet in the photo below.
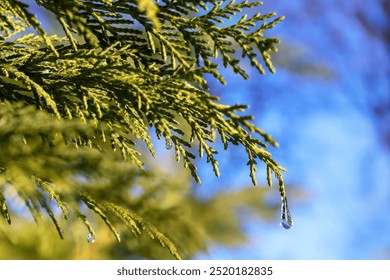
(91, 237)
(168, 144)
(286, 220)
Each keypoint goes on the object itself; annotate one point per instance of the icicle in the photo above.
(286, 220)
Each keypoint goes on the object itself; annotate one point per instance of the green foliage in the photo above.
(77, 112)
(192, 224)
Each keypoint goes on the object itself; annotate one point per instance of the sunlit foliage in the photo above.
(79, 111)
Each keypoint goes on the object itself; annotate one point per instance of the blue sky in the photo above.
(329, 138)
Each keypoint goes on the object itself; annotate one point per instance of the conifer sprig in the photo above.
(122, 68)
(132, 86)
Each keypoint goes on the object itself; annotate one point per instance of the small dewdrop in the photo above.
(90, 238)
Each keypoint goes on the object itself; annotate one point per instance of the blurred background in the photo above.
(328, 106)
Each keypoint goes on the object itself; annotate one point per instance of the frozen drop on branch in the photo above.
(286, 220)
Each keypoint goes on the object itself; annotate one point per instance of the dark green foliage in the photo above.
(77, 110)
